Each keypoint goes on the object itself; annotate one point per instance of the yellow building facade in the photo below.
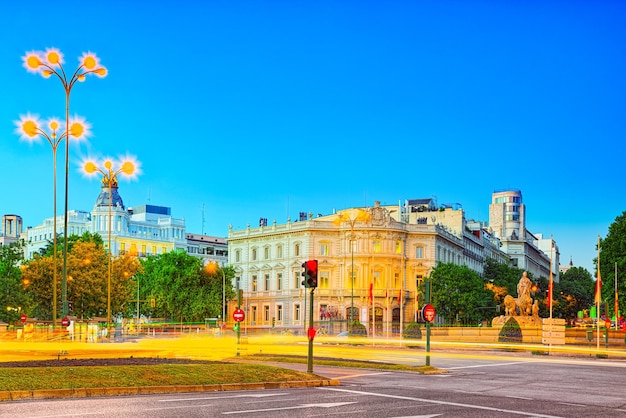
(370, 266)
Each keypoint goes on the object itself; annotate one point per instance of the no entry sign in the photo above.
(239, 315)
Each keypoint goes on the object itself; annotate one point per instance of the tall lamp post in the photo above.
(47, 63)
(30, 129)
(109, 173)
(351, 217)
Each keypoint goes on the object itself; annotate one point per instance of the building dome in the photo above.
(104, 199)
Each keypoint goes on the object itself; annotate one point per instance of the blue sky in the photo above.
(245, 109)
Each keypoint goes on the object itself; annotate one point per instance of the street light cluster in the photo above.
(51, 63)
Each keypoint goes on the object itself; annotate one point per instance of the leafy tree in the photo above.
(87, 279)
(182, 288)
(502, 280)
(574, 292)
(14, 300)
(458, 290)
(612, 252)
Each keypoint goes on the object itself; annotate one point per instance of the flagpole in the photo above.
(616, 301)
(551, 284)
(598, 299)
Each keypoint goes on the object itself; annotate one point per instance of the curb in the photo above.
(15, 395)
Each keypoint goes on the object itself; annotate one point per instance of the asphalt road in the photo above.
(481, 386)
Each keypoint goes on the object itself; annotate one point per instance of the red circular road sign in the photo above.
(239, 315)
(23, 318)
(428, 313)
(65, 322)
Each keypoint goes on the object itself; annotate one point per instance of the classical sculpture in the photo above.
(524, 301)
(523, 308)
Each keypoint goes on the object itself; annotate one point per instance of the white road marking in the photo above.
(462, 405)
(303, 406)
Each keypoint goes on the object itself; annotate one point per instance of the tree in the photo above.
(460, 291)
(87, 279)
(182, 288)
(14, 300)
(612, 253)
(502, 280)
(574, 292)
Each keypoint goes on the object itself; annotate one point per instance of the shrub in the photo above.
(412, 331)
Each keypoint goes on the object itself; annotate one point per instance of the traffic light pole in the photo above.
(311, 335)
(238, 324)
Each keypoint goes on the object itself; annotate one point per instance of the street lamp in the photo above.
(351, 217)
(30, 129)
(129, 168)
(47, 63)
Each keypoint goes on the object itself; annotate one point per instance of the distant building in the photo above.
(208, 248)
(507, 220)
(369, 270)
(11, 229)
(141, 231)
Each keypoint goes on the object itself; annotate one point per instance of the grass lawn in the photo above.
(67, 377)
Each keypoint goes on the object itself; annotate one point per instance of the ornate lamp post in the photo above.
(109, 173)
(30, 129)
(47, 63)
(351, 218)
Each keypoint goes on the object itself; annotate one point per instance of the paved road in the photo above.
(483, 386)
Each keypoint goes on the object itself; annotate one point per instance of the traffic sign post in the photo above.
(23, 318)
(239, 315)
(311, 335)
(428, 313)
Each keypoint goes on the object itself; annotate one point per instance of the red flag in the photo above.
(371, 291)
(598, 295)
(400, 296)
(550, 290)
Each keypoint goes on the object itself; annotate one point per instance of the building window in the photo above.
(324, 248)
(279, 281)
(254, 282)
(237, 256)
(377, 280)
(254, 254)
(279, 251)
(377, 246)
(419, 252)
(296, 280)
(296, 312)
(253, 316)
(266, 253)
(324, 280)
(266, 279)
(279, 313)
(396, 280)
(398, 247)
(296, 250)
(266, 314)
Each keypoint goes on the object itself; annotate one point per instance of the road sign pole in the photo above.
(428, 343)
(311, 335)
(238, 323)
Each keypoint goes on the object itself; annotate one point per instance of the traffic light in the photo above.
(236, 327)
(70, 306)
(310, 273)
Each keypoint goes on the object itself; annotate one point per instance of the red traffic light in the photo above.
(310, 273)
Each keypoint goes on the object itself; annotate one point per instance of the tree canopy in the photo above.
(459, 293)
(14, 300)
(612, 254)
(182, 288)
